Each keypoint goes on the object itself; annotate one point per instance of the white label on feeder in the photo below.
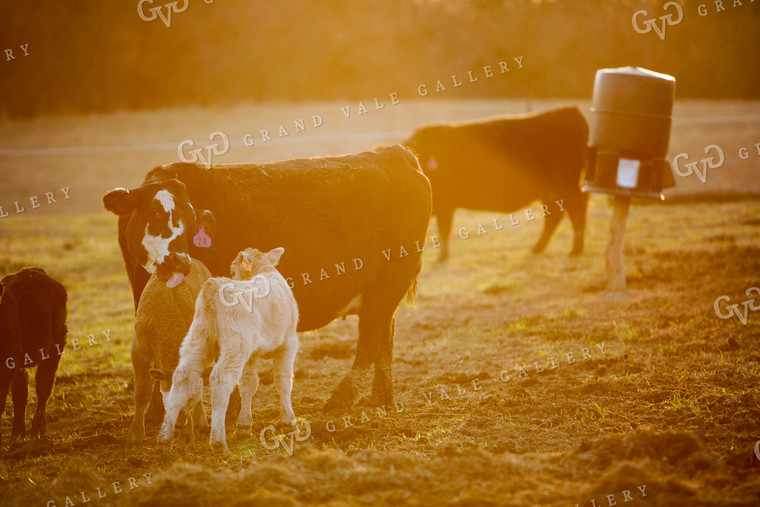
(628, 173)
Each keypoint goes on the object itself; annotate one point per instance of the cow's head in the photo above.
(161, 222)
(424, 149)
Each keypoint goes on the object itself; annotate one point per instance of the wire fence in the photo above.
(365, 136)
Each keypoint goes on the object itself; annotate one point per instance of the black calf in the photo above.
(32, 333)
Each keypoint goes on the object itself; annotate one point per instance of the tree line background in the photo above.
(94, 56)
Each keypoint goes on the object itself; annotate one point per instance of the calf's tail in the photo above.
(201, 340)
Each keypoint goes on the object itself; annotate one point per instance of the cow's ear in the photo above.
(204, 230)
(119, 201)
(273, 256)
(157, 374)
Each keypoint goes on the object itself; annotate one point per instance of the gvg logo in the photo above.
(275, 441)
(158, 12)
(196, 155)
(651, 24)
(693, 167)
(237, 297)
(733, 309)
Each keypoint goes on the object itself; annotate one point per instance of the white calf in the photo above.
(246, 319)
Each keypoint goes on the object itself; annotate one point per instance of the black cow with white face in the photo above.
(335, 217)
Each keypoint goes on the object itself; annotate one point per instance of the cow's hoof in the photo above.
(337, 402)
(377, 400)
(38, 429)
(343, 396)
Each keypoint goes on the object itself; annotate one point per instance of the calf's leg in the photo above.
(45, 380)
(143, 390)
(199, 417)
(249, 383)
(222, 380)
(185, 393)
(283, 377)
(20, 396)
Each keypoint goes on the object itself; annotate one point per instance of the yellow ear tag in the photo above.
(246, 265)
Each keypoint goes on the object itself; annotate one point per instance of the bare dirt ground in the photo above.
(518, 380)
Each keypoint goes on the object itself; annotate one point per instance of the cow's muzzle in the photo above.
(174, 269)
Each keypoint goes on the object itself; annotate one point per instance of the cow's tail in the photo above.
(201, 340)
(411, 292)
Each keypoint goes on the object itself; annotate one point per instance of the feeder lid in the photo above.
(633, 91)
(637, 71)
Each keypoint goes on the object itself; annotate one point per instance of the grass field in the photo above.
(668, 400)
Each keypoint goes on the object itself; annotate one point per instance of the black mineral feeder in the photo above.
(630, 130)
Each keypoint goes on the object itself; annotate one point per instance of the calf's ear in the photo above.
(119, 201)
(273, 256)
(157, 374)
(204, 229)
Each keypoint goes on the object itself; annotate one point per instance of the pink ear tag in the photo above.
(432, 164)
(201, 239)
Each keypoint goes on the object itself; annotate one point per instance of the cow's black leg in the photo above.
(44, 379)
(444, 219)
(376, 335)
(382, 384)
(5, 384)
(551, 221)
(20, 396)
(366, 352)
(577, 209)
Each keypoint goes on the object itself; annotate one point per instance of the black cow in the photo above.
(32, 333)
(334, 216)
(505, 163)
